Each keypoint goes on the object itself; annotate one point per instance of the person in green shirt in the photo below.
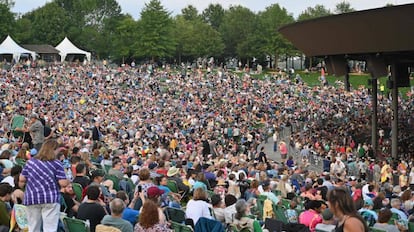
(5, 196)
(242, 219)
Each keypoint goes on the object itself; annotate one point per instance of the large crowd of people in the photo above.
(131, 143)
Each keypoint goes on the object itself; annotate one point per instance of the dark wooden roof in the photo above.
(387, 30)
(41, 49)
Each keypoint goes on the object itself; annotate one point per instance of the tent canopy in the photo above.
(67, 47)
(8, 46)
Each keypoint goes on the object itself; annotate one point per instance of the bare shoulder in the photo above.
(353, 224)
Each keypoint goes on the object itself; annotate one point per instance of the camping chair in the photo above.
(280, 213)
(177, 227)
(18, 216)
(17, 122)
(410, 226)
(77, 189)
(115, 180)
(285, 203)
(175, 214)
(172, 185)
(107, 167)
(260, 204)
(21, 162)
(75, 225)
(394, 218)
(211, 225)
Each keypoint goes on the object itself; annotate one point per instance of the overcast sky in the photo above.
(134, 7)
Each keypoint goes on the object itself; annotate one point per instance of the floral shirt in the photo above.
(155, 228)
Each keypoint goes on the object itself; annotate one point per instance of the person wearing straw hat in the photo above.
(173, 174)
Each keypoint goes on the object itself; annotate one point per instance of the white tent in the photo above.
(66, 47)
(10, 47)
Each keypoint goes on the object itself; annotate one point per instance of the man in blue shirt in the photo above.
(129, 213)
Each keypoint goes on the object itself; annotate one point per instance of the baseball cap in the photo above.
(154, 191)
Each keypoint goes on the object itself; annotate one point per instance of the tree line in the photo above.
(100, 27)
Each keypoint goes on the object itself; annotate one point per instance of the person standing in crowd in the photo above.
(342, 206)
(36, 130)
(44, 175)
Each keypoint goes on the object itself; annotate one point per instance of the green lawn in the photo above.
(356, 80)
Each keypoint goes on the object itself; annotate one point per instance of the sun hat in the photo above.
(172, 171)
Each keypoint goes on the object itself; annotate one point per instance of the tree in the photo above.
(190, 13)
(314, 12)
(343, 7)
(213, 15)
(126, 32)
(271, 41)
(238, 23)
(196, 39)
(155, 25)
(24, 32)
(42, 20)
(6, 20)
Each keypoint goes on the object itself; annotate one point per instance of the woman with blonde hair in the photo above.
(284, 187)
(44, 175)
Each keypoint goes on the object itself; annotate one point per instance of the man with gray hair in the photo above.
(396, 208)
(117, 206)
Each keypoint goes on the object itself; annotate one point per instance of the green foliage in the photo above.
(190, 13)
(156, 40)
(343, 7)
(49, 24)
(6, 20)
(314, 12)
(238, 23)
(213, 15)
(270, 20)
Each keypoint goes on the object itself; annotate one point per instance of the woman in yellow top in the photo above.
(385, 171)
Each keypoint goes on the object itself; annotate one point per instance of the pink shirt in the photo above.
(310, 218)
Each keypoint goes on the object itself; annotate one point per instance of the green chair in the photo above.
(107, 167)
(277, 192)
(210, 193)
(77, 189)
(373, 229)
(235, 229)
(75, 225)
(280, 213)
(172, 185)
(178, 227)
(410, 226)
(285, 203)
(21, 162)
(114, 179)
(260, 204)
(394, 218)
(175, 214)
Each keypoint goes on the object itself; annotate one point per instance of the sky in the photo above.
(134, 7)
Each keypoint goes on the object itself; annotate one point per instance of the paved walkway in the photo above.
(315, 163)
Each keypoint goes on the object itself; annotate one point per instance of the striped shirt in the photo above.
(42, 185)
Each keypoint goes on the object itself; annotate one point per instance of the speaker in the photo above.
(337, 65)
(401, 75)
